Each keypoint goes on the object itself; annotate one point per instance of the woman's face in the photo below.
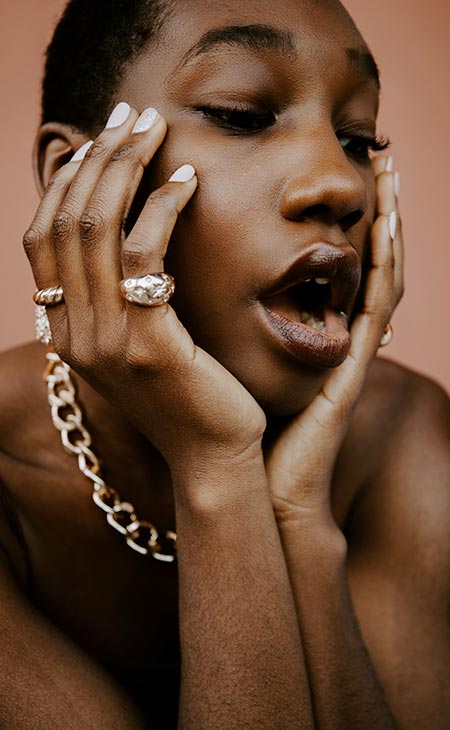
(268, 102)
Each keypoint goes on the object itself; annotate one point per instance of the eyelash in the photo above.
(244, 121)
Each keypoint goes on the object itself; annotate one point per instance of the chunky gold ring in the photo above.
(49, 296)
(151, 290)
(387, 336)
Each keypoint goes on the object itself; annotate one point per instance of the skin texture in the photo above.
(312, 581)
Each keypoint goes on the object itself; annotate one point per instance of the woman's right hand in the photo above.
(141, 359)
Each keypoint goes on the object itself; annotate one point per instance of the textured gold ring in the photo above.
(151, 290)
(49, 296)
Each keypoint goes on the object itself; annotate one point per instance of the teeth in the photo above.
(312, 321)
(322, 281)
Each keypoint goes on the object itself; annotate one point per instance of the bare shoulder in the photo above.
(22, 399)
(409, 415)
(402, 511)
(400, 415)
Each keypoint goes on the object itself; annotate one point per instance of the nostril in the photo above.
(351, 219)
(314, 211)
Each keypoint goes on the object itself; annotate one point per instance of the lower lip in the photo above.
(308, 345)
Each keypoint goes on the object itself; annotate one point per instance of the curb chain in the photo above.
(67, 418)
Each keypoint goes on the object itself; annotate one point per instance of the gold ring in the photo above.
(49, 296)
(387, 336)
(151, 290)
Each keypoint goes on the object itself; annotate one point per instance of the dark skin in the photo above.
(311, 504)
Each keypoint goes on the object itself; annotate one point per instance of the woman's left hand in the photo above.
(300, 463)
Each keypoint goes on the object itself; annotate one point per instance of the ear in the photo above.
(54, 145)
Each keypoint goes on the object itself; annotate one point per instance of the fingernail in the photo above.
(393, 224)
(389, 164)
(146, 120)
(81, 152)
(397, 183)
(119, 115)
(183, 174)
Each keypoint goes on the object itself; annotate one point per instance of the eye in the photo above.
(238, 119)
(360, 146)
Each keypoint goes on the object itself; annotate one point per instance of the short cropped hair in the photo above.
(92, 45)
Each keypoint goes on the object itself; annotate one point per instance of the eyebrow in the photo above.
(364, 62)
(251, 37)
(265, 37)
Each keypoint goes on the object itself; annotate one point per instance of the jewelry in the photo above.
(42, 325)
(67, 418)
(387, 336)
(49, 296)
(150, 290)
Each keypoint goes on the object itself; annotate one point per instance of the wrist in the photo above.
(313, 543)
(214, 480)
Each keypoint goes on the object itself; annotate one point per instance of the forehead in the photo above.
(322, 19)
(319, 32)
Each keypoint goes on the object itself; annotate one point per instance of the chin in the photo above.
(282, 394)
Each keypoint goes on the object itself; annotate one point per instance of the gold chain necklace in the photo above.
(67, 418)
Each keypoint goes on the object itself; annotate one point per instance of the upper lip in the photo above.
(341, 264)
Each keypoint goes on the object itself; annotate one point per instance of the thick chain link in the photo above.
(67, 418)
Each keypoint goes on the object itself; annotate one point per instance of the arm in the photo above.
(242, 659)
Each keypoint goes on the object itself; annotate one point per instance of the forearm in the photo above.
(344, 687)
(242, 661)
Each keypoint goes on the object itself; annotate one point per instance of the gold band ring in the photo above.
(49, 296)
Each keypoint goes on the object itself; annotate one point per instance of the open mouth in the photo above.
(310, 306)
(304, 303)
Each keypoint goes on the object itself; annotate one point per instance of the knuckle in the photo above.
(98, 150)
(91, 225)
(164, 198)
(32, 242)
(134, 259)
(125, 152)
(58, 181)
(63, 225)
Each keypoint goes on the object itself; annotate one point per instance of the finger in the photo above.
(71, 224)
(386, 197)
(38, 240)
(104, 216)
(146, 245)
(387, 204)
(399, 248)
(143, 252)
(376, 311)
(340, 392)
(39, 248)
(382, 163)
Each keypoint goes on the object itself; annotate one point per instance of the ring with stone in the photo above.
(150, 290)
(50, 295)
(387, 336)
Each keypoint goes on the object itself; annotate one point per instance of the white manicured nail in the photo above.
(397, 183)
(183, 174)
(119, 115)
(393, 224)
(389, 164)
(81, 152)
(146, 120)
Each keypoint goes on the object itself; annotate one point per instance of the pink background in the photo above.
(410, 41)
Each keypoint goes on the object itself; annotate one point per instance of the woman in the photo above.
(307, 480)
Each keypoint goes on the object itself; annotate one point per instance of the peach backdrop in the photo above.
(410, 41)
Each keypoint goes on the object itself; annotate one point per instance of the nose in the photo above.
(323, 183)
